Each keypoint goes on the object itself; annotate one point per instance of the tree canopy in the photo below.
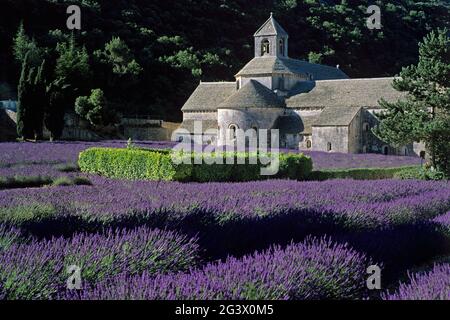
(148, 56)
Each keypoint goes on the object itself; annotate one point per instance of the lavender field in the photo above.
(278, 239)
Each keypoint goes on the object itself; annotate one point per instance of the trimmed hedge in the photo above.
(359, 173)
(149, 164)
(418, 173)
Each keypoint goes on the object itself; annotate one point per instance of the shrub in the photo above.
(67, 167)
(315, 269)
(62, 181)
(24, 182)
(432, 285)
(419, 173)
(158, 165)
(358, 174)
(38, 270)
(30, 213)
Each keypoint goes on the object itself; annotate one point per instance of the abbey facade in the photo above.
(314, 107)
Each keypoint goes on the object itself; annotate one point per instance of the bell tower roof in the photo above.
(271, 28)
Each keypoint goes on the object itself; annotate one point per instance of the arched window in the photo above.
(265, 47)
(308, 144)
(422, 154)
(232, 129)
(329, 146)
(385, 150)
(281, 47)
(366, 127)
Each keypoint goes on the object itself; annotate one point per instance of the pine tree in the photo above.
(425, 113)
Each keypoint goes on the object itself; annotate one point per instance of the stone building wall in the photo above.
(337, 136)
(246, 119)
(354, 134)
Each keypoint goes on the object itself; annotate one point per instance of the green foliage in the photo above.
(119, 56)
(176, 44)
(419, 173)
(30, 213)
(55, 111)
(132, 164)
(72, 67)
(93, 108)
(424, 115)
(32, 100)
(159, 165)
(22, 45)
(359, 174)
(23, 182)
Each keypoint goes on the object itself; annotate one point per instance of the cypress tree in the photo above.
(39, 101)
(55, 111)
(24, 93)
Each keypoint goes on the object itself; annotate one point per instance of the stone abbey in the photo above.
(314, 107)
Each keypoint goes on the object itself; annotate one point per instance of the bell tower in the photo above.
(271, 40)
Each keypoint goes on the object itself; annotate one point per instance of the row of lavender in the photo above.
(354, 204)
(155, 264)
(41, 158)
(108, 229)
(239, 218)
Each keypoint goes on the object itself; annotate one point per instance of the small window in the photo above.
(308, 144)
(237, 85)
(233, 129)
(329, 146)
(281, 47)
(265, 47)
(385, 150)
(422, 154)
(366, 127)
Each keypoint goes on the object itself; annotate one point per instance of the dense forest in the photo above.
(148, 56)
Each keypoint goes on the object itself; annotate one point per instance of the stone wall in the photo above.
(261, 118)
(337, 136)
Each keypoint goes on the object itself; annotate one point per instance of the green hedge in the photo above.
(419, 173)
(360, 173)
(158, 165)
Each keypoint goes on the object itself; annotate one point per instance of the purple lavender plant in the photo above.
(38, 270)
(432, 285)
(315, 269)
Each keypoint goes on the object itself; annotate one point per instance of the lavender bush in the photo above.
(432, 285)
(443, 220)
(355, 204)
(38, 270)
(315, 269)
(10, 236)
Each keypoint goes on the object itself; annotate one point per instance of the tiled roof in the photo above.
(252, 95)
(208, 95)
(270, 28)
(336, 116)
(346, 93)
(276, 65)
